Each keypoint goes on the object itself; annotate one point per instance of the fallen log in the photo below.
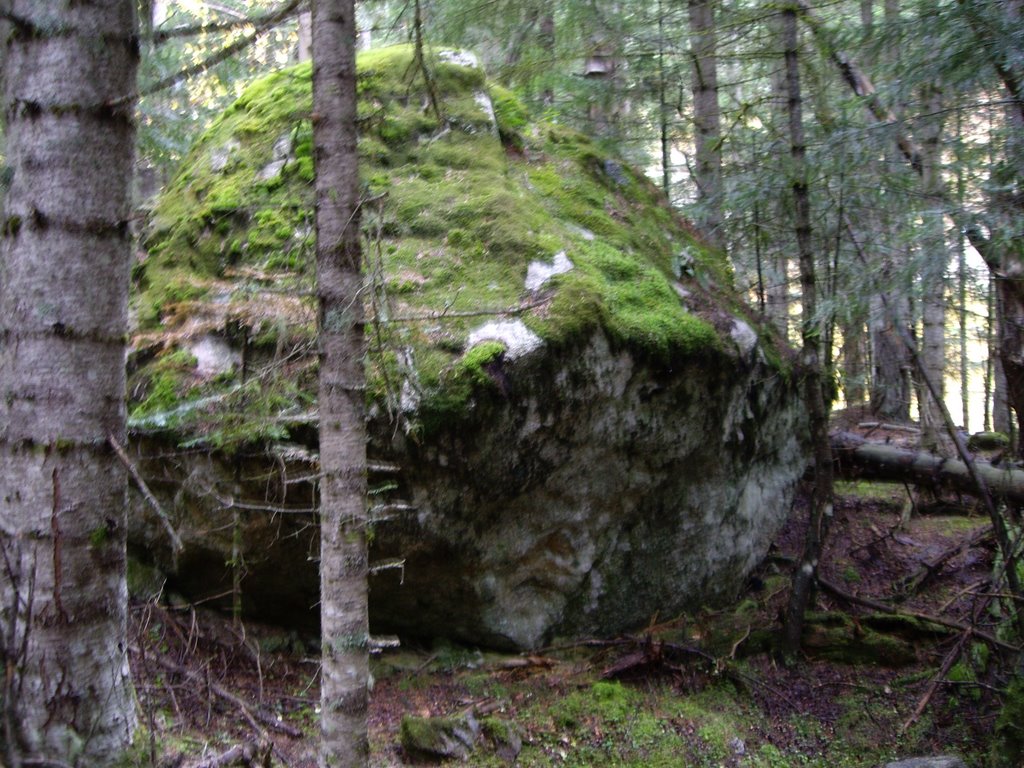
(859, 459)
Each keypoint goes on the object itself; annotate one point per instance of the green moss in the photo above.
(472, 364)
(632, 300)
(608, 701)
(837, 637)
(1008, 746)
(511, 116)
(459, 219)
(452, 389)
(165, 383)
(988, 441)
(961, 672)
(99, 536)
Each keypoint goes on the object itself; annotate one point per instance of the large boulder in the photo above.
(582, 425)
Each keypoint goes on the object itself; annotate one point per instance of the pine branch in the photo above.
(162, 36)
(267, 23)
(1012, 80)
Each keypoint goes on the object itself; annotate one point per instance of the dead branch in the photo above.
(912, 583)
(245, 754)
(265, 24)
(947, 664)
(161, 36)
(862, 459)
(881, 607)
(251, 715)
(873, 425)
(176, 544)
(443, 314)
(527, 662)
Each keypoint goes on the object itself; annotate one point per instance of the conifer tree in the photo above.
(64, 261)
(343, 513)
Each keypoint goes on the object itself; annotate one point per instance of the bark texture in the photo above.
(64, 260)
(890, 306)
(777, 266)
(707, 118)
(856, 458)
(343, 556)
(933, 276)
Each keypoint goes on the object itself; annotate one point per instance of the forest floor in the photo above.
(695, 691)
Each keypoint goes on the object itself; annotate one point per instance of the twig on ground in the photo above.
(911, 584)
(245, 754)
(947, 664)
(251, 715)
(873, 425)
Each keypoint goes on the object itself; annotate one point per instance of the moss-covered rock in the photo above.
(460, 210)
(587, 420)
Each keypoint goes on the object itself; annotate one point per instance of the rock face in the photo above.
(597, 493)
(584, 426)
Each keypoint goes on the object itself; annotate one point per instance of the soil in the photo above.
(708, 690)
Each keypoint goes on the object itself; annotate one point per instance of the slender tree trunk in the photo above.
(961, 284)
(663, 109)
(890, 314)
(777, 262)
(933, 276)
(304, 50)
(855, 355)
(64, 268)
(343, 546)
(805, 576)
(890, 383)
(547, 44)
(707, 119)
(1001, 416)
(854, 362)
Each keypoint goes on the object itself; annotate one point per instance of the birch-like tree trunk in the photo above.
(935, 258)
(304, 48)
(343, 516)
(777, 294)
(64, 270)
(707, 120)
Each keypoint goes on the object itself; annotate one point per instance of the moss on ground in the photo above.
(661, 724)
(456, 211)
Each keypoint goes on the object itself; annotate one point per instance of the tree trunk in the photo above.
(343, 516)
(890, 312)
(890, 383)
(858, 459)
(1002, 420)
(821, 498)
(64, 258)
(664, 123)
(707, 120)
(777, 263)
(854, 362)
(304, 51)
(933, 276)
(546, 40)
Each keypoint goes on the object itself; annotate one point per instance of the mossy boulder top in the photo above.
(483, 230)
(589, 427)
